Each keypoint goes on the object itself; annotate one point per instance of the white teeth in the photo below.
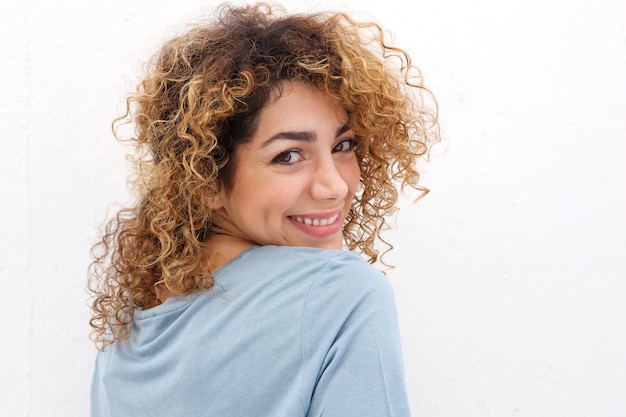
(316, 222)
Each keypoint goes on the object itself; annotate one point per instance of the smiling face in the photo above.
(295, 179)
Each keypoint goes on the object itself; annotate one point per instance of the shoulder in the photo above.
(325, 279)
(349, 325)
(326, 267)
(298, 257)
(334, 282)
(347, 275)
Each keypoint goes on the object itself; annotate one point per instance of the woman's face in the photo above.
(295, 180)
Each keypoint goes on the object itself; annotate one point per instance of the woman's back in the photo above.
(286, 331)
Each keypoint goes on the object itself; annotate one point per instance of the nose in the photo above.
(328, 182)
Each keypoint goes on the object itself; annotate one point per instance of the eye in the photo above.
(287, 157)
(346, 145)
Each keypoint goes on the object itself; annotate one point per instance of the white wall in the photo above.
(511, 274)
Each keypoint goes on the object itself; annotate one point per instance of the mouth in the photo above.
(323, 225)
(309, 221)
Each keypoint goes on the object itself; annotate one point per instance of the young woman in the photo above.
(270, 148)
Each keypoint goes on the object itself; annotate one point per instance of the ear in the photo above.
(214, 197)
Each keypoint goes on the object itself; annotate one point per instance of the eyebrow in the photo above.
(303, 136)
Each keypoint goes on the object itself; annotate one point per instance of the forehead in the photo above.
(299, 106)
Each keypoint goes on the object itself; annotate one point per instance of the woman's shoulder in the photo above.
(325, 264)
(328, 274)
(312, 275)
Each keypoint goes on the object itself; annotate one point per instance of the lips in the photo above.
(316, 221)
(319, 225)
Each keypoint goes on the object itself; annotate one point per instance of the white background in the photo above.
(511, 273)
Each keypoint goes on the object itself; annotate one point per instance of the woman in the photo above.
(267, 144)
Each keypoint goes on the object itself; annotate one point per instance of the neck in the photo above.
(222, 248)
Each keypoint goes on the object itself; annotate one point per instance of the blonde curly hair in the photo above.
(200, 99)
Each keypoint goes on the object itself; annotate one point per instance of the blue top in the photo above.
(286, 331)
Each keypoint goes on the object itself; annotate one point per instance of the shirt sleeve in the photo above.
(351, 342)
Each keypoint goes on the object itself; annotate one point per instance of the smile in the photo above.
(316, 222)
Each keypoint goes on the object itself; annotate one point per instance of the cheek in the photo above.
(268, 195)
(352, 175)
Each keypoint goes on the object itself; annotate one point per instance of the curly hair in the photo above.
(200, 99)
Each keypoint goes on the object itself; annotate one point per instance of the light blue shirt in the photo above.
(286, 331)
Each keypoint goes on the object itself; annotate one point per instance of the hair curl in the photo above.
(199, 100)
